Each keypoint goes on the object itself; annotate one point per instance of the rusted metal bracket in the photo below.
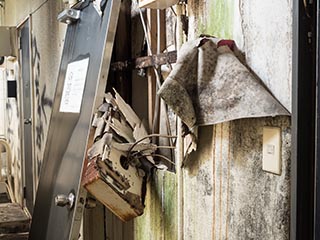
(145, 62)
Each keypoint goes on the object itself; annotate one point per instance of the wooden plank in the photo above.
(93, 223)
(116, 229)
(14, 236)
(150, 226)
(13, 219)
(158, 44)
(122, 81)
(93, 227)
(128, 229)
(109, 224)
(170, 206)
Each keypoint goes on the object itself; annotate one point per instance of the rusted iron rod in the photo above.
(145, 62)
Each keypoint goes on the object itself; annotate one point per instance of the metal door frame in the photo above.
(66, 157)
(21, 110)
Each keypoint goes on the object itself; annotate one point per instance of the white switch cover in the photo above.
(271, 159)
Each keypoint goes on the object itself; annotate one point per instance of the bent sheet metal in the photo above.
(85, 63)
(120, 159)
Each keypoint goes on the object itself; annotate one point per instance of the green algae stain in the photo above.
(150, 225)
(170, 206)
(219, 21)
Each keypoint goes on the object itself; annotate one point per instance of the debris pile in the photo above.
(120, 158)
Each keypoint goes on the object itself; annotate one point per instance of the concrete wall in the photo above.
(226, 193)
(262, 31)
(47, 44)
(225, 186)
(15, 11)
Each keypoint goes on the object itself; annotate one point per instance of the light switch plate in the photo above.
(271, 159)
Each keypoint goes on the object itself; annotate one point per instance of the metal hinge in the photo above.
(19, 42)
(69, 16)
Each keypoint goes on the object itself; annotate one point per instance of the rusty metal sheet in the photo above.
(210, 85)
(88, 43)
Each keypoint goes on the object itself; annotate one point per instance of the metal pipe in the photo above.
(155, 125)
(180, 140)
(7, 147)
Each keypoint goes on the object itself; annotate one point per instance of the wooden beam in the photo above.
(158, 44)
(122, 51)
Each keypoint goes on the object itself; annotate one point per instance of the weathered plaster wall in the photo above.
(226, 189)
(1, 15)
(47, 44)
(226, 193)
(16, 11)
(267, 43)
(262, 31)
(225, 185)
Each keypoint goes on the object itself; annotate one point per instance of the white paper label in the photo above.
(73, 86)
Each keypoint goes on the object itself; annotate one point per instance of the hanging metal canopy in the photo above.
(81, 84)
(210, 85)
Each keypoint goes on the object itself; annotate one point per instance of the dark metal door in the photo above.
(304, 175)
(82, 78)
(26, 97)
(317, 151)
